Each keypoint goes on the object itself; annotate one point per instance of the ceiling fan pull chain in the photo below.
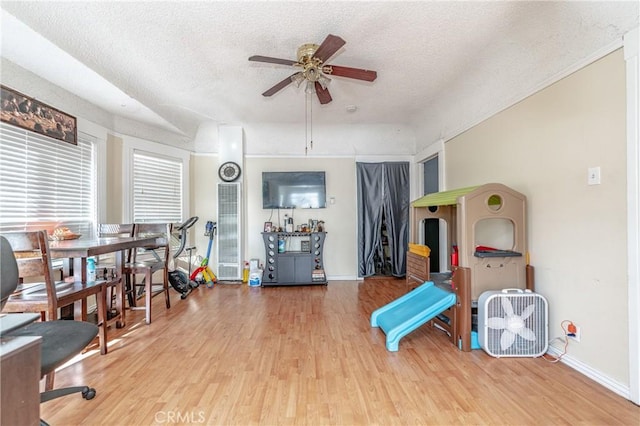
(311, 121)
(306, 122)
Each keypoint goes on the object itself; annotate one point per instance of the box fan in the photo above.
(513, 323)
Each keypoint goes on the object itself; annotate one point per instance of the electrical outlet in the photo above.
(574, 332)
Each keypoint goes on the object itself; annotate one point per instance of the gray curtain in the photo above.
(369, 180)
(383, 190)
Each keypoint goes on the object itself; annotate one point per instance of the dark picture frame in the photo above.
(28, 113)
(268, 227)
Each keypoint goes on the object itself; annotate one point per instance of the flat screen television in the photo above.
(293, 190)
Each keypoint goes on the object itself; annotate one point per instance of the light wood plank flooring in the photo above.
(235, 355)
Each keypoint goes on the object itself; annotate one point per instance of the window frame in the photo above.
(132, 144)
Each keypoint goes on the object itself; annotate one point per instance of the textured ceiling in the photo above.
(441, 65)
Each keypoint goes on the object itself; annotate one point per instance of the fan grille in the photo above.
(491, 305)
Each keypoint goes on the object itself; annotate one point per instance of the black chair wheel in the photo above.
(88, 393)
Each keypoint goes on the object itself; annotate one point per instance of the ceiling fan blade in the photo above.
(323, 94)
(329, 46)
(349, 72)
(284, 83)
(258, 58)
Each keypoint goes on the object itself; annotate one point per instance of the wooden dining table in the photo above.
(75, 253)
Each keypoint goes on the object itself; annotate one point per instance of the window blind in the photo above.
(45, 183)
(157, 188)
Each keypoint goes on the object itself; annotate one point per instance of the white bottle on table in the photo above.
(91, 270)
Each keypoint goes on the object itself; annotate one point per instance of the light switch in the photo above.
(593, 176)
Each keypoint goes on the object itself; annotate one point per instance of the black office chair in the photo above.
(61, 339)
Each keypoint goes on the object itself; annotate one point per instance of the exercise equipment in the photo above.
(179, 280)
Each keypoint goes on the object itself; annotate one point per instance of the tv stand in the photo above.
(294, 258)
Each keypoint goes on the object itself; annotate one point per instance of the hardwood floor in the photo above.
(235, 355)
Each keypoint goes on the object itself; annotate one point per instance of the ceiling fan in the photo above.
(313, 70)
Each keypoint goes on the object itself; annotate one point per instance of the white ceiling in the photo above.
(442, 66)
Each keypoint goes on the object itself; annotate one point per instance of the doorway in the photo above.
(431, 227)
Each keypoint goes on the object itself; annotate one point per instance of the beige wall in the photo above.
(114, 181)
(340, 253)
(543, 147)
(203, 201)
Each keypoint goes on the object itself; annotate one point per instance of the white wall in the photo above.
(543, 147)
(632, 57)
(283, 140)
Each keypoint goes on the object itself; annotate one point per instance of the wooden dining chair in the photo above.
(39, 292)
(60, 340)
(149, 261)
(107, 263)
(115, 230)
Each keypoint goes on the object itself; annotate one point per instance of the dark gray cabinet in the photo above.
(294, 258)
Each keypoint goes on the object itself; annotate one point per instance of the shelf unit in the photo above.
(294, 258)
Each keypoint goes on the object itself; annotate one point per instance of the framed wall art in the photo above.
(28, 113)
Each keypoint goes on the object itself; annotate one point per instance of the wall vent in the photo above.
(229, 231)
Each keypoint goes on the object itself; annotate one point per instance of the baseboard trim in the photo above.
(592, 373)
(341, 278)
